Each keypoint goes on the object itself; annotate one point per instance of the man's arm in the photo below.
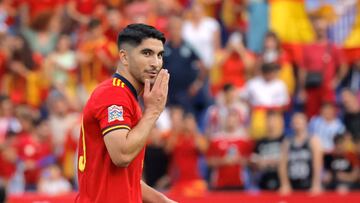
(124, 145)
(285, 187)
(149, 195)
(317, 164)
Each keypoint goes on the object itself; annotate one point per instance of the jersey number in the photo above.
(82, 158)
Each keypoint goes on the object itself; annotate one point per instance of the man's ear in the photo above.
(123, 55)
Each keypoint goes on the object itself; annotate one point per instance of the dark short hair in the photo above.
(227, 87)
(269, 67)
(134, 34)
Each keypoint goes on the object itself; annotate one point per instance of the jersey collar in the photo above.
(127, 83)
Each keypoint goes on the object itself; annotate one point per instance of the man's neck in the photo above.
(138, 86)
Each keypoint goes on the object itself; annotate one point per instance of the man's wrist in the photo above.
(151, 114)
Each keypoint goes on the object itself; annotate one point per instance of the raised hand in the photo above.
(155, 96)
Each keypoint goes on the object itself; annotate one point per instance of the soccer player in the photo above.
(114, 131)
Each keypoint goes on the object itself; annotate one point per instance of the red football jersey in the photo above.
(113, 105)
(228, 175)
(184, 162)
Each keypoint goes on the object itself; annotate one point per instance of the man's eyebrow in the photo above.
(147, 50)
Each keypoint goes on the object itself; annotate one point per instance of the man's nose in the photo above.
(156, 62)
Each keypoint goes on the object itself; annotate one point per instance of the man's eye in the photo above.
(146, 53)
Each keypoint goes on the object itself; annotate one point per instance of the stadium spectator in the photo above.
(341, 167)
(184, 145)
(156, 160)
(274, 53)
(61, 120)
(227, 102)
(266, 156)
(235, 62)
(227, 156)
(52, 182)
(43, 33)
(32, 147)
(301, 159)
(351, 110)
(113, 23)
(61, 69)
(321, 70)
(203, 34)
(24, 81)
(326, 126)
(9, 125)
(97, 56)
(187, 88)
(265, 92)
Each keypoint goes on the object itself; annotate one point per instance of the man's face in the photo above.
(320, 27)
(146, 60)
(299, 122)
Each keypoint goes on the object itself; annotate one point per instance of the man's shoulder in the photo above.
(111, 87)
(108, 91)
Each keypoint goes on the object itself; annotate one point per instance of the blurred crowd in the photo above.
(264, 94)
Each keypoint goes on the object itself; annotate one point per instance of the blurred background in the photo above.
(264, 95)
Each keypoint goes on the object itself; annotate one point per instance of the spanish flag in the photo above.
(289, 20)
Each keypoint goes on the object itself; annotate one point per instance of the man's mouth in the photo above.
(152, 74)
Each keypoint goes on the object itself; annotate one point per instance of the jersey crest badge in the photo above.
(115, 113)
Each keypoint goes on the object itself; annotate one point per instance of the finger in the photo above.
(147, 87)
(159, 79)
(165, 82)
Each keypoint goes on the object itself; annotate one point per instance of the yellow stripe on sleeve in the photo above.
(115, 127)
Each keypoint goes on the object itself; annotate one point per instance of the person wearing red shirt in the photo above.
(32, 147)
(185, 145)
(114, 131)
(321, 70)
(237, 62)
(228, 153)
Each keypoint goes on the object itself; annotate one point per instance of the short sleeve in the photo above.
(114, 115)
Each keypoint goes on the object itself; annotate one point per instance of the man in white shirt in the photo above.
(267, 90)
